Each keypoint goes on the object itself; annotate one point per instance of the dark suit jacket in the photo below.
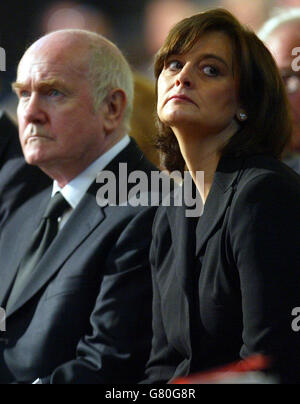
(225, 287)
(18, 180)
(86, 317)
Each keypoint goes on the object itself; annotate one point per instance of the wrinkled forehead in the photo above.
(36, 70)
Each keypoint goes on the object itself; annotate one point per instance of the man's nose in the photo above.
(33, 111)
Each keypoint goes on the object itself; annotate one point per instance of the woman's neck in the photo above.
(201, 153)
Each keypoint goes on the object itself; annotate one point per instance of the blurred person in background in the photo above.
(143, 128)
(159, 17)
(250, 12)
(287, 3)
(281, 34)
(69, 14)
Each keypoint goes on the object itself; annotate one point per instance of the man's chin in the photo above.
(34, 160)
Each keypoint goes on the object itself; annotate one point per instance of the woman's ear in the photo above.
(114, 106)
(241, 115)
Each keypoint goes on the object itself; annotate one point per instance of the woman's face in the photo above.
(197, 91)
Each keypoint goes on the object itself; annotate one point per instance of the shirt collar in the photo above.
(74, 191)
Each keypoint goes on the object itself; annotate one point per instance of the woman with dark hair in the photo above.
(225, 283)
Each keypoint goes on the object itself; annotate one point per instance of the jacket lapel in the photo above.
(82, 222)
(218, 199)
(183, 240)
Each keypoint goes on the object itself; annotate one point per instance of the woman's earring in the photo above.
(242, 116)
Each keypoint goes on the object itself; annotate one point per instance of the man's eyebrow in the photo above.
(60, 84)
(16, 85)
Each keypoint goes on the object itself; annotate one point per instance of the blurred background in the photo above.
(138, 27)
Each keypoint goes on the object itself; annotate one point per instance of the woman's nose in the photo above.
(184, 77)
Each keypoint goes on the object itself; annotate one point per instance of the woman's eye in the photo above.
(211, 71)
(174, 65)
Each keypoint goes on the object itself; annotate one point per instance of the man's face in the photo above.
(281, 43)
(59, 129)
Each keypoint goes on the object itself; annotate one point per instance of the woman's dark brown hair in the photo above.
(262, 95)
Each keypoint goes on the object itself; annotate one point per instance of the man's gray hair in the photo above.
(281, 17)
(108, 70)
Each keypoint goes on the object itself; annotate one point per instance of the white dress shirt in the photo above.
(74, 191)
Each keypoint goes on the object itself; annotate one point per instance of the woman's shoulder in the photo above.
(264, 169)
(265, 183)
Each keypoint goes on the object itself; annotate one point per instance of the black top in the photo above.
(226, 289)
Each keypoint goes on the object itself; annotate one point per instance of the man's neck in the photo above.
(67, 171)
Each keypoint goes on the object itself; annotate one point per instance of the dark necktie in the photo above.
(42, 239)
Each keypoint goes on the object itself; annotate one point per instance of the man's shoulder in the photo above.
(134, 157)
(9, 140)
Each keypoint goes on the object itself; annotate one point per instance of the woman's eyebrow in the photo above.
(214, 56)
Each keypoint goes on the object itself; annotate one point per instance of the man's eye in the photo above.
(211, 71)
(54, 93)
(23, 94)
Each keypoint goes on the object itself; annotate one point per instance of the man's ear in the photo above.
(113, 110)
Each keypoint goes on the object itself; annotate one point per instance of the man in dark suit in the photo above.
(77, 310)
(18, 180)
